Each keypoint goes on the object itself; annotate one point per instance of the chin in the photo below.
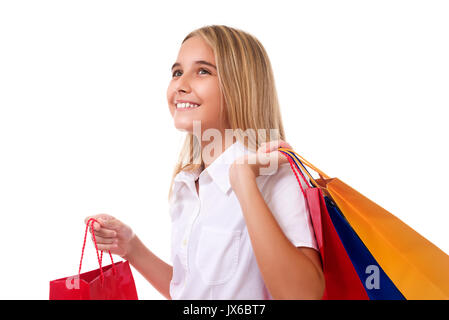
(184, 127)
(184, 130)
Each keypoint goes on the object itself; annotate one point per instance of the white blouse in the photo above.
(211, 250)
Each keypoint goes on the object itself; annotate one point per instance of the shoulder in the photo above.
(282, 181)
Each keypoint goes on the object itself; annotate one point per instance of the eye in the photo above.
(201, 69)
(204, 70)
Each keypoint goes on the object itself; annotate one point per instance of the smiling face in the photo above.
(195, 80)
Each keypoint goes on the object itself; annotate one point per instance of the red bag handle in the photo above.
(294, 169)
(96, 248)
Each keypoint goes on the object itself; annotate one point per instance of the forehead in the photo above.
(195, 48)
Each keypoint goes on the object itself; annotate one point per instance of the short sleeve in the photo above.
(283, 196)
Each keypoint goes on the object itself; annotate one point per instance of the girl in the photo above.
(237, 233)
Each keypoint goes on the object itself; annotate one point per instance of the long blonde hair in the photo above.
(247, 84)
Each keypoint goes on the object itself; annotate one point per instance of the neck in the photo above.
(213, 148)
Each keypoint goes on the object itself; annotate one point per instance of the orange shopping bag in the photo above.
(418, 268)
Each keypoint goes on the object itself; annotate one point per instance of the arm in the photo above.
(288, 272)
(156, 271)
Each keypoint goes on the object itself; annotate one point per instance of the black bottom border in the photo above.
(228, 309)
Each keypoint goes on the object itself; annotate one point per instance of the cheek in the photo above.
(170, 99)
(211, 96)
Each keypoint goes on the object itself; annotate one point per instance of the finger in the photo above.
(109, 223)
(106, 233)
(102, 240)
(95, 224)
(284, 144)
(269, 145)
(283, 158)
(88, 218)
(106, 247)
(264, 147)
(276, 144)
(102, 216)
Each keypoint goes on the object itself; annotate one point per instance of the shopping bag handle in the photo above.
(292, 155)
(295, 157)
(321, 173)
(292, 165)
(295, 165)
(96, 248)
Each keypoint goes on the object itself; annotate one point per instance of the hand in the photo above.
(265, 161)
(111, 234)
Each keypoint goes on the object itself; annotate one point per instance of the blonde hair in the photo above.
(247, 84)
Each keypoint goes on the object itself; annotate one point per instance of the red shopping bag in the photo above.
(112, 282)
(342, 280)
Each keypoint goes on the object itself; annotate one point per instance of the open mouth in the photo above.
(186, 106)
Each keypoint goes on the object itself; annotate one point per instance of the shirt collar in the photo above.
(218, 169)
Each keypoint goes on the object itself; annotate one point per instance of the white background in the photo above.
(85, 127)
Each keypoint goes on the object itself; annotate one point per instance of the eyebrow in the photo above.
(177, 64)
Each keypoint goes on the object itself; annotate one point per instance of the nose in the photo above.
(183, 84)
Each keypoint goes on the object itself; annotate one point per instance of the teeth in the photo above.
(186, 105)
